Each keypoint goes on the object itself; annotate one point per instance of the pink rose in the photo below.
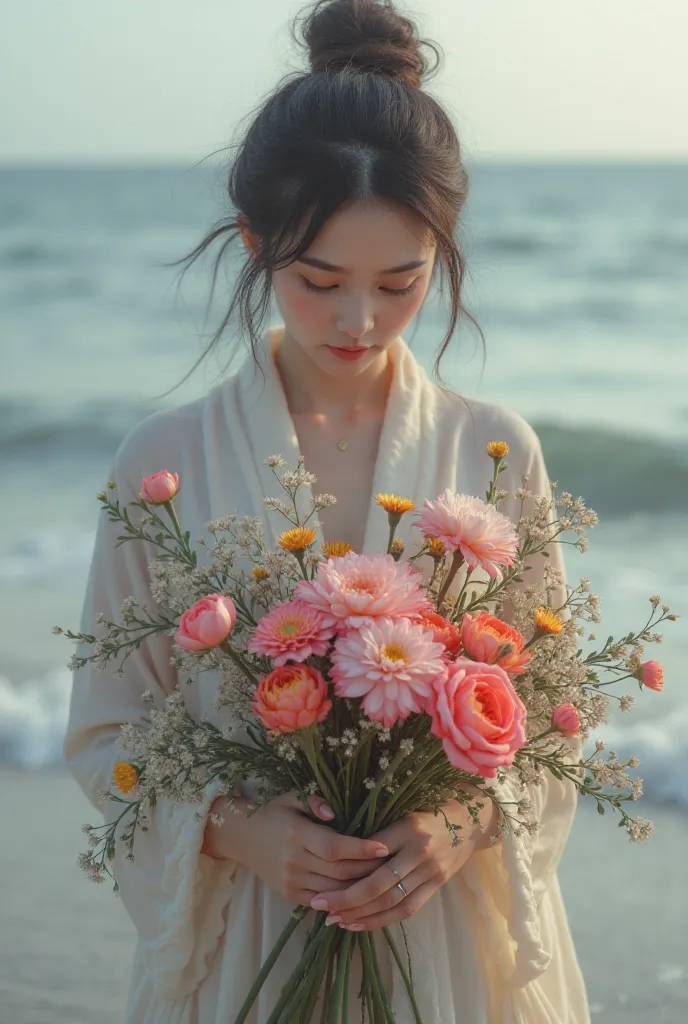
(158, 488)
(565, 719)
(651, 674)
(486, 638)
(291, 697)
(207, 624)
(478, 716)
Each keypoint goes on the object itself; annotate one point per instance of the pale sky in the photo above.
(166, 80)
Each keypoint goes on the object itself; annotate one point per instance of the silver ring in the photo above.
(399, 884)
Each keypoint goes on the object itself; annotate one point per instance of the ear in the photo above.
(249, 238)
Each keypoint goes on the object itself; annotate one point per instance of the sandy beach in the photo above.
(66, 945)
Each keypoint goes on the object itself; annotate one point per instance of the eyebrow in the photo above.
(313, 261)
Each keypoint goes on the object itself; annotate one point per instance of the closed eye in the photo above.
(309, 286)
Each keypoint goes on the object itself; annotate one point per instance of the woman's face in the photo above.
(357, 287)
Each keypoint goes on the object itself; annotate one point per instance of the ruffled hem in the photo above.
(200, 889)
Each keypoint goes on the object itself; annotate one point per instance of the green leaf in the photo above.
(600, 808)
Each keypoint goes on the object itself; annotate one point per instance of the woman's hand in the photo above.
(424, 858)
(291, 852)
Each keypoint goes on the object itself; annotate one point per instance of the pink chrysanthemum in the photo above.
(467, 524)
(292, 631)
(392, 664)
(355, 590)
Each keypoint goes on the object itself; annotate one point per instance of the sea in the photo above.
(578, 276)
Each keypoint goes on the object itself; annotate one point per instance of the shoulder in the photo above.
(171, 439)
(480, 422)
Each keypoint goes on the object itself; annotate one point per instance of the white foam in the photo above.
(33, 719)
(40, 555)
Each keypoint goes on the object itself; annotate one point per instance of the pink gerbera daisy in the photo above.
(467, 524)
(355, 590)
(292, 631)
(391, 664)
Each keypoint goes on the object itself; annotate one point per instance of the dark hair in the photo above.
(357, 126)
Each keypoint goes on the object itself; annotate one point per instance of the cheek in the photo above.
(296, 304)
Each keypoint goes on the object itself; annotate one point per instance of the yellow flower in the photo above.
(497, 449)
(394, 504)
(297, 539)
(547, 621)
(259, 573)
(436, 548)
(124, 776)
(336, 548)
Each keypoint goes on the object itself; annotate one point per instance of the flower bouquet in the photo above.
(360, 677)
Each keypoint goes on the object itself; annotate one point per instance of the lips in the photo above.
(348, 353)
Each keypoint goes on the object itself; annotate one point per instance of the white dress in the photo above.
(492, 946)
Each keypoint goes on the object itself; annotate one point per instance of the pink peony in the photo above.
(355, 590)
(292, 631)
(463, 523)
(651, 674)
(158, 488)
(486, 638)
(565, 719)
(479, 717)
(292, 697)
(391, 664)
(207, 624)
(444, 632)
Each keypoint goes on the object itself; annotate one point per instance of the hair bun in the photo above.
(369, 35)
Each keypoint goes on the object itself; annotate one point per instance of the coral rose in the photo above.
(158, 488)
(651, 674)
(488, 639)
(479, 717)
(291, 697)
(444, 632)
(207, 624)
(565, 719)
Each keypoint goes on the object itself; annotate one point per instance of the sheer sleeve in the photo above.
(510, 880)
(176, 896)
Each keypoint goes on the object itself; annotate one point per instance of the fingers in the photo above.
(371, 889)
(341, 870)
(320, 808)
(332, 846)
(390, 899)
(404, 909)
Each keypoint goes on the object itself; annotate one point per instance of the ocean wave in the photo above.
(617, 473)
(33, 719)
(45, 553)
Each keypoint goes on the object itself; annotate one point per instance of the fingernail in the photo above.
(353, 927)
(333, 919)
(318, 903)
(382, 852)
(326, 811)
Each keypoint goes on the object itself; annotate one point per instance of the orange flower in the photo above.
(291, 697)
(436, 548)
(259, 573)
(497, 449)
(124, 776)
(297, 539)
(393, 504)
(486, 638)
(547, 621)
(336, 548)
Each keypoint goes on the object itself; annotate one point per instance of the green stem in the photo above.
(338, 992)
(282, 1010)
(402, 970)
(457, 561)
(295, 918)
(379, 993)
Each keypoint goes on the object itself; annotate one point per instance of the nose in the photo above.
(355, 320)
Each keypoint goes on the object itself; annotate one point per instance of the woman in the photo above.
(346, 192)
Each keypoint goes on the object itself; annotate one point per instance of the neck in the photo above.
(309, 390)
